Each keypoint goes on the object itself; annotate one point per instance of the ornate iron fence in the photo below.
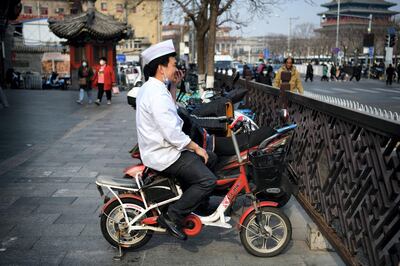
(347, 165)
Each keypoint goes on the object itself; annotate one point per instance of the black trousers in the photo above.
(100, 93)
(309, 76)
(197, 181)
(389, 80)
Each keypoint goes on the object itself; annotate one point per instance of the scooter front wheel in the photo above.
(114, 226)
(276, 236)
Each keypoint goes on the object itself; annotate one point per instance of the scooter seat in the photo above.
(116, 182)
(224, 161)
(224, 145)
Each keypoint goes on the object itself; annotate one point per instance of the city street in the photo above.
(52, 150)
(371, 92)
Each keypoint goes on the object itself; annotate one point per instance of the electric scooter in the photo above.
(129, 218)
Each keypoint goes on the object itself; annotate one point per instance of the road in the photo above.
(371, 92)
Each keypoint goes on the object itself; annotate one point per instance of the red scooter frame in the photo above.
(129, 219)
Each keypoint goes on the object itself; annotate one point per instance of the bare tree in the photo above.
(208, 13)
(198, 12)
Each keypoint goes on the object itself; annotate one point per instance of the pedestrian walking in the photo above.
(355, 72)
(324, 73)
(390, 71)
(85, 75)
(309, 72)
(333, 72)
(398, 73)
(295, 82)
(104, 79)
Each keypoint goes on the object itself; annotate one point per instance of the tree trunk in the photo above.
(200, 61)
(212, 34)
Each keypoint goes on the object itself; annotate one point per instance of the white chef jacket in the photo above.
(159, 128)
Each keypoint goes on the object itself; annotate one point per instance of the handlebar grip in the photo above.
(239, 119)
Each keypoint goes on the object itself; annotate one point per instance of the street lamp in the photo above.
(290, 32)
(337, 24)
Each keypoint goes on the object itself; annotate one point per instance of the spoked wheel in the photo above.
(278, 232)
(114, 226)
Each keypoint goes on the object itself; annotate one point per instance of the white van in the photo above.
(223, 61)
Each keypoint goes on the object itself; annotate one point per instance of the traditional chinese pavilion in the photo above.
(355, 17)
(91, 35)
(352, 11)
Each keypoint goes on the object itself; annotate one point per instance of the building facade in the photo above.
(144, 17)
(32, 9)
(225, 43)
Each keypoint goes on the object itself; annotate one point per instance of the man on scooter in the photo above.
(163, 145)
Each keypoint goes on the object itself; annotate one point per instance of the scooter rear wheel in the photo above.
(114, 227)
(278, 233)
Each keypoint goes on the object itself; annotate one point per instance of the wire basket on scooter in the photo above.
(267, 168)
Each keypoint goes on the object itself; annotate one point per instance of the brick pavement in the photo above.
(51, 152)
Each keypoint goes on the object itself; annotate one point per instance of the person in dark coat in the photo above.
(389, 74)
(309, 72)
(356, 73)
(333, 72)
(398, 73)
(85, 75)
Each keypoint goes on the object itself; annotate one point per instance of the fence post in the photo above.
(285, 85)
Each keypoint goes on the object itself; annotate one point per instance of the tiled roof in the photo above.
(353, 11)
(92, 24)
(367, 2)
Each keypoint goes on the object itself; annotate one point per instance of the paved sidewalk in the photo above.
(52, 150)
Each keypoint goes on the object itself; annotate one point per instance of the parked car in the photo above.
(130, 74)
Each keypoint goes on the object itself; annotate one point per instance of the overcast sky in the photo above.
(279, 21)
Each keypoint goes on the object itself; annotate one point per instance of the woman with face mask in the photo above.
(104, 79)
(85, 74)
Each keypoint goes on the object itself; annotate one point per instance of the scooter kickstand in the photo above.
(120, 253)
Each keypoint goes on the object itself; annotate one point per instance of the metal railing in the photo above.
(354, 105)
(347, 165)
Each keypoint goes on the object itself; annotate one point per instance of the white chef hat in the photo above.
(157, 50)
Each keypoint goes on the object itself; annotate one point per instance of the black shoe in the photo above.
(172, 228)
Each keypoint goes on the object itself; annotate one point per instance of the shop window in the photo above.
(60, 10)
(103, 6)
(44, 11)
(27, 9)
(119, 8)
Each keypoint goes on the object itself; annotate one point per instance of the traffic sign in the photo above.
(266, 53)
(121, 58)
(389, 55)
(335, 50)
(340, 54)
